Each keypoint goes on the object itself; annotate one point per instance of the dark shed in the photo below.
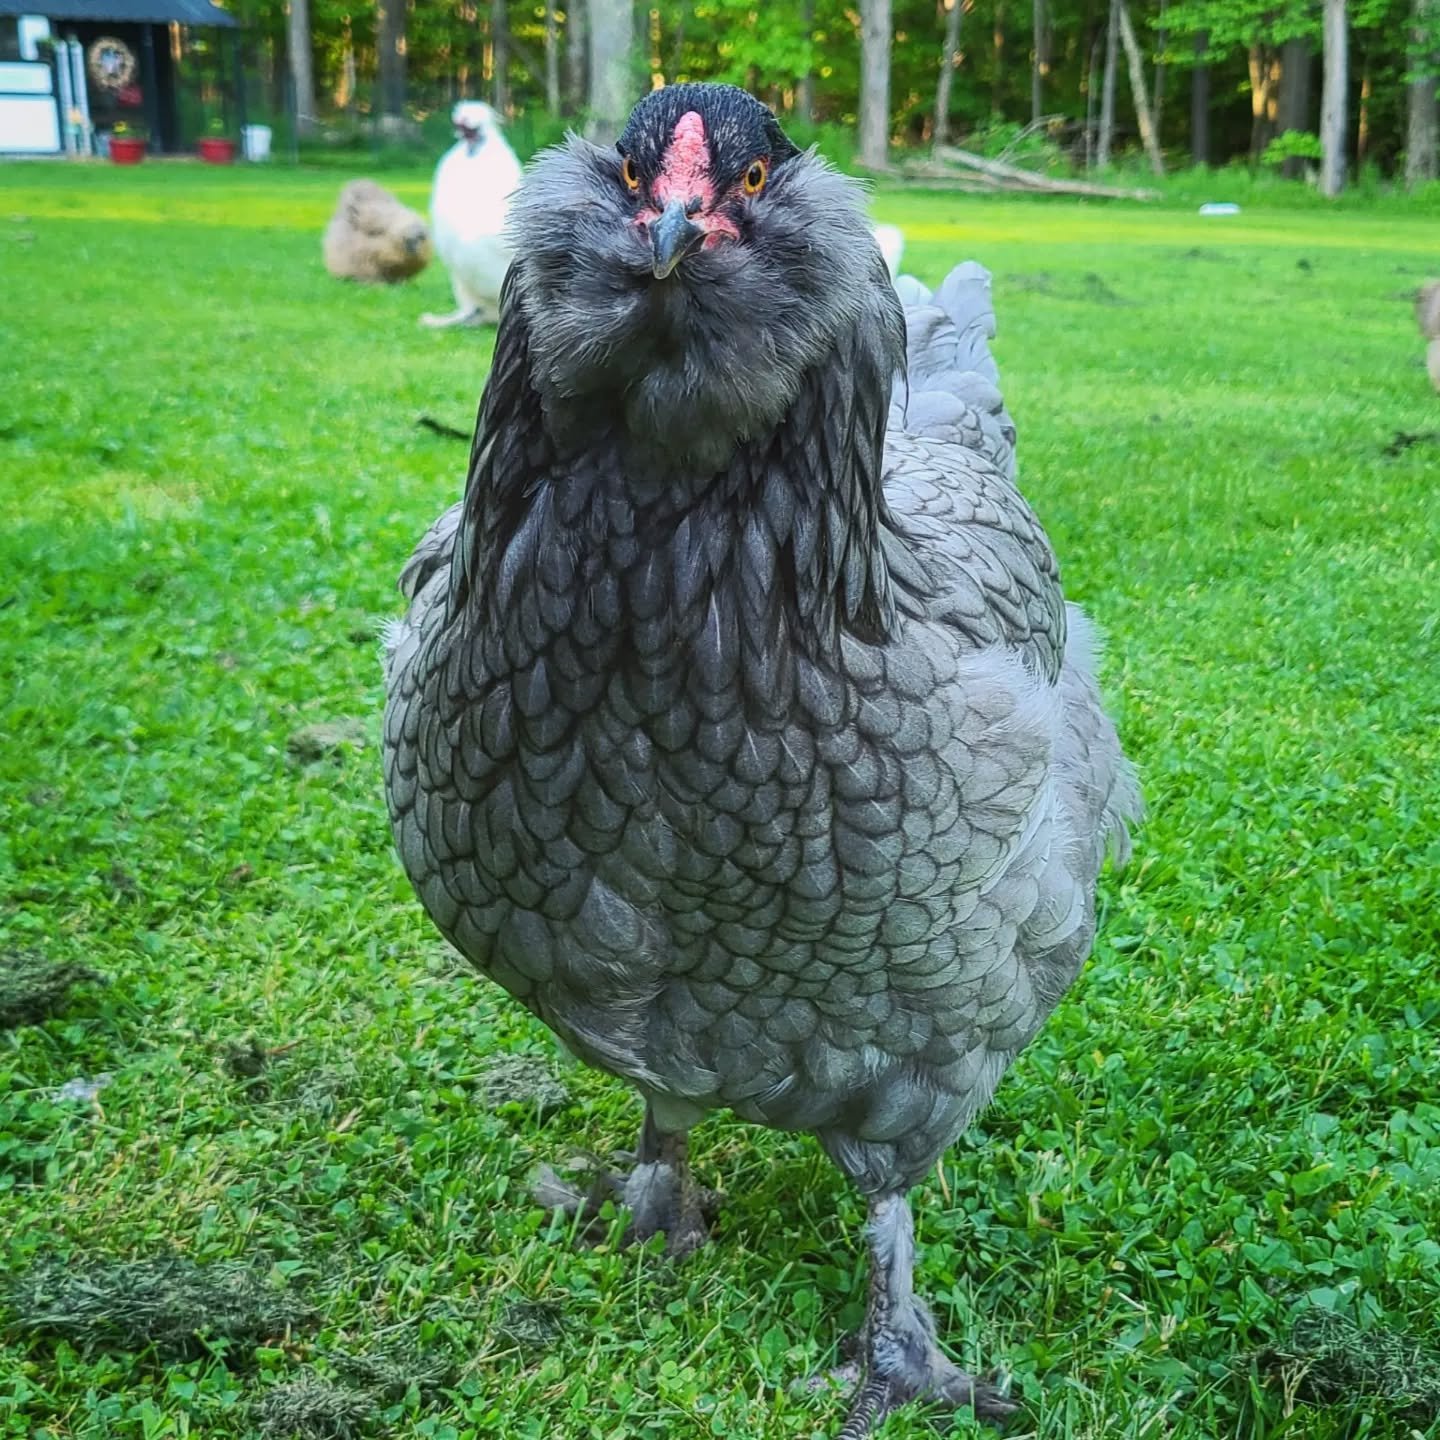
(123, 61)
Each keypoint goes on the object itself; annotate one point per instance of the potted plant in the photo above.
(127, 143)
(217, 148)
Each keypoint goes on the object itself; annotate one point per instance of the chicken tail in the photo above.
(952, 387)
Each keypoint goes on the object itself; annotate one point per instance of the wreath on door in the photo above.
(110, 63)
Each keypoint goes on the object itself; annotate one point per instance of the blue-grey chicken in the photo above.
(737, 725)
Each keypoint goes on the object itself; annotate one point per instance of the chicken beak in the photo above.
(673, 236)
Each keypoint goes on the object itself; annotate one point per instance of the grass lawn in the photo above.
(212, 472)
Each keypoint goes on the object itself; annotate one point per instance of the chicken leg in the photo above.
(898, 1357)
(660, 1192)
(470, 310)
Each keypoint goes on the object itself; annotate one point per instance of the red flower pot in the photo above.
(126, 149)
(215, 151)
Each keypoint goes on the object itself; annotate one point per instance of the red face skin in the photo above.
(686, 177)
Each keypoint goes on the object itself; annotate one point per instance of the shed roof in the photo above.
(135, 12)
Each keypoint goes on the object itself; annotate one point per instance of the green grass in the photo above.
(211, 474)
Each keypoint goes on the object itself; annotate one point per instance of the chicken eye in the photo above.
(755, 177)
(629, 174)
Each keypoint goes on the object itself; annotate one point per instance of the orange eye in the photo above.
(629, 174)
(755, 177)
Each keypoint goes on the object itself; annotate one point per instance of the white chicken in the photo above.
(468, 205)
(891, 240)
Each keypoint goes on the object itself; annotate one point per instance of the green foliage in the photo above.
(1292, 144)
(1017, 144)
(1238, 24)
(214, 474)
(769, 48)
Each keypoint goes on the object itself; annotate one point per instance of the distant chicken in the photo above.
(1427, 316)
(891, 240)
(737, 725)
(468, 208)
(373, 237)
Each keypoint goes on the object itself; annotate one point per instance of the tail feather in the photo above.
(952, 388)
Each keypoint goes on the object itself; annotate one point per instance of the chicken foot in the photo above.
(659, 1192)
(460, 319)
(898, 1357)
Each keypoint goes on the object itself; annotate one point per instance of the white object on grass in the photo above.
(256, 140)
(468, 206)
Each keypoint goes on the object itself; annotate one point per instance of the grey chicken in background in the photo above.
(738, 726)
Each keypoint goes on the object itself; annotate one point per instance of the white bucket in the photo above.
(256, 140)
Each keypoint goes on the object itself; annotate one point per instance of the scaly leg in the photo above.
(899, 1358)
(660, 1193)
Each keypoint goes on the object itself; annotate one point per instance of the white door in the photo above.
(29, 117)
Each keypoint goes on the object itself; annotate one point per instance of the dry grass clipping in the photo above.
(171, 1303)
(311, 1408)
(33, 988)
(1331, 1358)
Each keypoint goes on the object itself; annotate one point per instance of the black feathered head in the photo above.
(684, 283)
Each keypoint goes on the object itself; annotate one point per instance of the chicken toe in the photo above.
(659, 1192)
(900, 1359)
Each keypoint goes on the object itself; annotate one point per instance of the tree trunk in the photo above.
(1264, 92)
(1295, 68)
(1421, 161)
(552, 60)
(345, 86)
(997, 37)
(612, 85)
(1037, 62)
(1362, 131)
(1162, 42)
(875, 83)
(1200, 102)
(575, 51)
(1087, 84)
(1332, 100)
(270, 74)
(302, 64)
(948, 55)
(677, 47)
(1137, 89)
(805, 88)
(500, 48)
(390, 48)
(1107, 91)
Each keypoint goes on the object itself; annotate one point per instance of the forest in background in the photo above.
(1317, 89)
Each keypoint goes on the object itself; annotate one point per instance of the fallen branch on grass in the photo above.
(1011, 177)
